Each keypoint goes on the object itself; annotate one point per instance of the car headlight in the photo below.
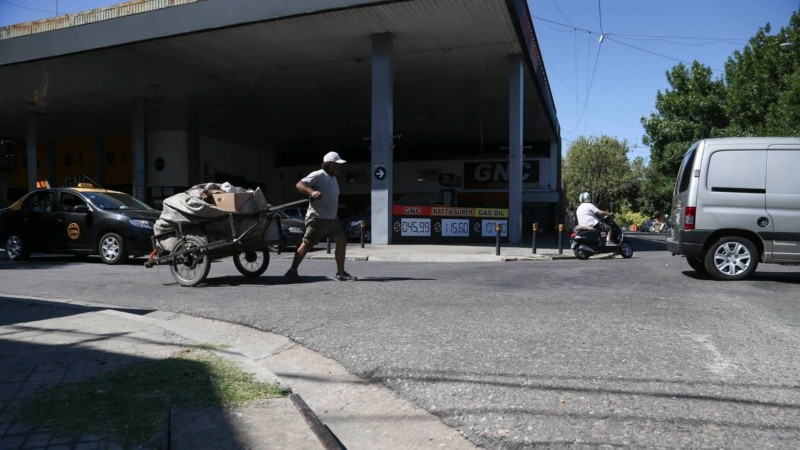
(296, 230)
(355, 223)
(139, 223)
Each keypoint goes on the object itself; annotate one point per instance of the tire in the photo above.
(112, 249)
(625, 249)
(251, 263)
(583, 256)
(17, 248)
(190, 268)
(731, 258)
(367, 236)
(698, 264)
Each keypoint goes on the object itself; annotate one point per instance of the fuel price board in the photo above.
(443, 224)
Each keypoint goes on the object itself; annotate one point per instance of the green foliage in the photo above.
(626, 218)
(600, 166)
(764, 84)
(693, 109)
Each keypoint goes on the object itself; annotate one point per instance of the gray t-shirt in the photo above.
(327, 206)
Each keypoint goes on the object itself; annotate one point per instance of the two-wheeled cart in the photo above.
(245, 237)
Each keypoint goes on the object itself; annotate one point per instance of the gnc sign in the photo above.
(494, 174)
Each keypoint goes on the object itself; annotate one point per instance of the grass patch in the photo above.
(130, 405)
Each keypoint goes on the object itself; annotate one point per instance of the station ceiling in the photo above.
(293, 83)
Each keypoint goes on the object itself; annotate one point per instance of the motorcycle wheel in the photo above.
(580, 254)
(625, 249)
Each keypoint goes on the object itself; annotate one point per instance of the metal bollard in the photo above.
(560, 239)
(497, 247)
(533, 239)
(363, 227)
(329, 245)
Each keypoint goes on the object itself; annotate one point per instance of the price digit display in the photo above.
(415, 227)
(488, 227)
(455, 227)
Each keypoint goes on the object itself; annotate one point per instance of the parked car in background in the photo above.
(298, 213)
(292, 230)
(81, 221)
(352, 227)
(647, 226)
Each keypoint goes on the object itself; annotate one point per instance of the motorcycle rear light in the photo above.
(572, 235)
(689, 216)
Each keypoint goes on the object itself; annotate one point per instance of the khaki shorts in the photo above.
(318, 229)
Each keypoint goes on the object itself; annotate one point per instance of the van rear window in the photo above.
(687, 167)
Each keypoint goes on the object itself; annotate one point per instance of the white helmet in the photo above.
(585, 197)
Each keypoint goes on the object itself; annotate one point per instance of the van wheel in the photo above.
(697, 264)
(731, 258)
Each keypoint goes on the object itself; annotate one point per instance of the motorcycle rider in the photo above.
(590, 216)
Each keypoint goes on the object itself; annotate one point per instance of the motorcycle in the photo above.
(586, 241)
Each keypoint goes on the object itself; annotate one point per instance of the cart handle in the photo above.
(286, 205)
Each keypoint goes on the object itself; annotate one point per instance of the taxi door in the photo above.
(36, 221)
(72, 223)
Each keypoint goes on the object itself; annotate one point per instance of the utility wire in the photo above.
(608, 36)
(26, 7)
(629, 35)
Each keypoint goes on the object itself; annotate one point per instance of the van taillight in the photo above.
(689, 216)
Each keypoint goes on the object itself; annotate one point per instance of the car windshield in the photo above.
(115, 200)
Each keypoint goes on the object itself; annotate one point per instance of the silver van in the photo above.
(737, 203)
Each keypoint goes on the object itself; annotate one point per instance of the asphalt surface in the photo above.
(638, 352)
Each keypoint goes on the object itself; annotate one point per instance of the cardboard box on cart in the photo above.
(232, 201)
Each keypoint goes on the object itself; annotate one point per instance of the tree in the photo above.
(600, 166)
(763, 84)
(693, 109)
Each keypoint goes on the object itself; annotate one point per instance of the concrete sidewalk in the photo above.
(45, 342)
(546, 250)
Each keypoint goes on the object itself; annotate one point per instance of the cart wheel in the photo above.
(192, 267)
(251, 263)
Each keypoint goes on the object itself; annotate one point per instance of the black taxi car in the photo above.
(82, 220)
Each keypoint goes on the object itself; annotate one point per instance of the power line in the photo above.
(26, 7)
(609, 37)
(630, 35)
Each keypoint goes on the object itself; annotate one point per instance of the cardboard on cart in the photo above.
(231, 201)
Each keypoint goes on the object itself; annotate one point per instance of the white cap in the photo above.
(333, 157)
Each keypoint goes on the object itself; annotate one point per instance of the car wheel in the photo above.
(367, 235)
(697, 264)
(626, 249)
(731, 258)
(16, 248)
(251, 263)
(112, 249)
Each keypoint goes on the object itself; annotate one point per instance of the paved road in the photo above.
(603, 352)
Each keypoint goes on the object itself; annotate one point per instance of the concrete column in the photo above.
(139, 150)
(382, 140)
(515, 139)
(51, 165)
(99, 151)
(30, 124)
(555, 160)
(193, 152)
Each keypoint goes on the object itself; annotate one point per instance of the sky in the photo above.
(600, 86)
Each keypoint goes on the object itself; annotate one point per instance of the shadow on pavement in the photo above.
(45, 344)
